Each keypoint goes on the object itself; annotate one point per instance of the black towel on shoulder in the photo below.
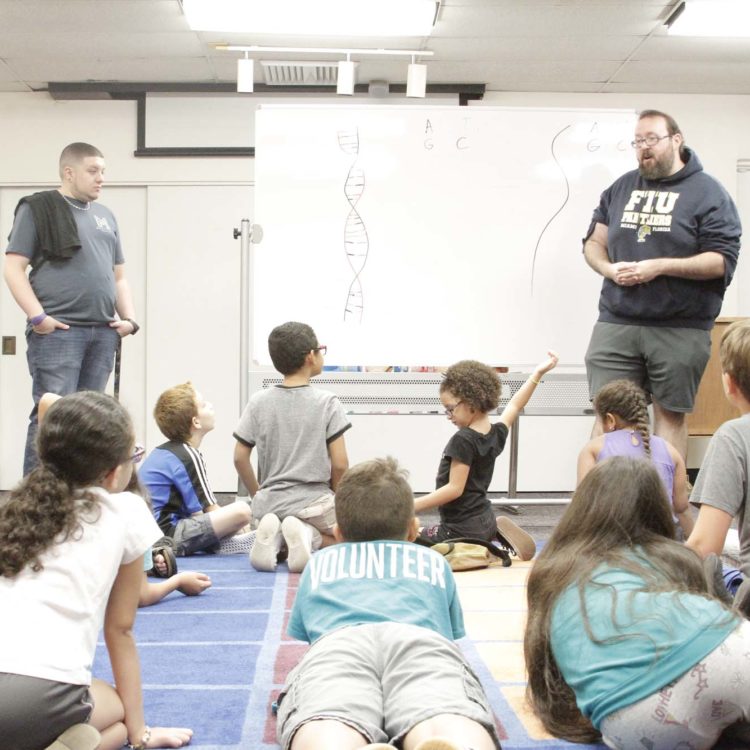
(56, 230)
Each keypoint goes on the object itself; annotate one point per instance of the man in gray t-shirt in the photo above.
(75, 286)
(299, 433)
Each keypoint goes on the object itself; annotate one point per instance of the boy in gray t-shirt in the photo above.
(722, 489)
(299, 432)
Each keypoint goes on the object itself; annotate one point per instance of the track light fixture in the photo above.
(416, 84)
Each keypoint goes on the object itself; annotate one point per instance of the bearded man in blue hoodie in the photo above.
(665, 237)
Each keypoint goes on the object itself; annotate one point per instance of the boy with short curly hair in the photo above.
(298, 430)
(468, 392)
(175, 475)
(381, 614)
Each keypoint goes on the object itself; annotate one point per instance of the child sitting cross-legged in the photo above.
(469, 391)
(175, 476)
(621, 408)
(381, 614)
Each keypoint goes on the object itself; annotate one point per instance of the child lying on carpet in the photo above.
(622, 639)
(469, 391)
(299, 433)
(177, 482)
(622, 411)
(72, 559)
(381, 614)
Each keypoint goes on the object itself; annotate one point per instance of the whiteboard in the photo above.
(420, 236)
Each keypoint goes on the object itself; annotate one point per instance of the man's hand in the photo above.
(631, 274)
(48, 325)
(124, 327)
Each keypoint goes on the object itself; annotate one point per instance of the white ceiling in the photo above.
(509, 45)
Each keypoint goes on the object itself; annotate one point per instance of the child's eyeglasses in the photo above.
(138, 453)
(450, 409)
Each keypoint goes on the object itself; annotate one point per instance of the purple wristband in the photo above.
(37, 319)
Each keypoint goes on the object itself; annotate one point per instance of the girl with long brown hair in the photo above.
(621, 632)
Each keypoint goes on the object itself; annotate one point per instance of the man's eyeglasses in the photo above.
(649, 140)
(323, 349)
(138, 453)
(450, 409)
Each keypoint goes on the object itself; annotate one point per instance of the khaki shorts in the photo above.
(381, 679)
(667, 363)
(321, 514)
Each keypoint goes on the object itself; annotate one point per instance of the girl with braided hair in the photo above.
(623, 411)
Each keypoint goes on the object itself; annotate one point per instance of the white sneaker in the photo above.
(299, 540)
(267, 544)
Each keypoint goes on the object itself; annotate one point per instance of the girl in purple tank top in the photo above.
(622, 409)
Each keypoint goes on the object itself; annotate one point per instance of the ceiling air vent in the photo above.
(300, 73)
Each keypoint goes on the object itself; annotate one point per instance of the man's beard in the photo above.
(658, 167)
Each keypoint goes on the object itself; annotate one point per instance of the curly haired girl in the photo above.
(469, 391)
(622, 409)
(72, 559)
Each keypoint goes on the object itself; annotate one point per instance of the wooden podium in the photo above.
(711, 406)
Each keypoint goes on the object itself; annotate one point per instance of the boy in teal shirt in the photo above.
(381, 614)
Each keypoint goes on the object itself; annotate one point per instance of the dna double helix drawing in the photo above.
(356, 241)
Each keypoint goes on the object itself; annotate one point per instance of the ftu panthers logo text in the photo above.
(649, 210)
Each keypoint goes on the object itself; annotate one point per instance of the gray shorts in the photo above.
(34, 712)
(667, 363)
(194, 534)
(381, 679)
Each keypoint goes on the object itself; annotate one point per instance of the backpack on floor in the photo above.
(465, 553)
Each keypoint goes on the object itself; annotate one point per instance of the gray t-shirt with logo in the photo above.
(81, 290)
(723, 482)
(291, 428)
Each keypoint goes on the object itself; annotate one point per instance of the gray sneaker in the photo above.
(267, 544)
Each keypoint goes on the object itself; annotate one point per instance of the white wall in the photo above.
(179, 239)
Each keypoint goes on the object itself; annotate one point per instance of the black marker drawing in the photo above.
(554, 216)
(356, 241)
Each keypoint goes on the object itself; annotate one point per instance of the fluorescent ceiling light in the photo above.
(314, 17)
(728, 18)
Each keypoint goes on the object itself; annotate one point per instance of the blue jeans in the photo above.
(63, 362)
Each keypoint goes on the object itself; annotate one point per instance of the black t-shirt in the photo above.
(478, 452)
